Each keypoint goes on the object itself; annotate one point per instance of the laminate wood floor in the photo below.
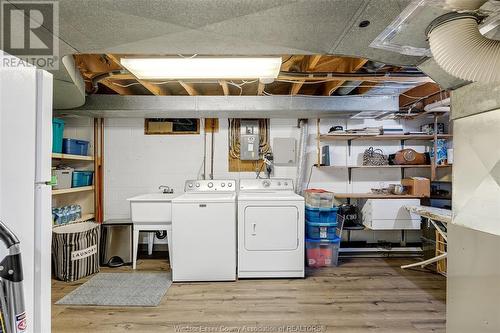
(361, 295)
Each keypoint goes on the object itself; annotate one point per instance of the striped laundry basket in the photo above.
(75, 250)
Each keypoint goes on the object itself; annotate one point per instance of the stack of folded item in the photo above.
(393, 130)
(365, 131)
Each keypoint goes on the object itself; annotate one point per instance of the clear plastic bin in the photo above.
(318, 198)
(322, 252)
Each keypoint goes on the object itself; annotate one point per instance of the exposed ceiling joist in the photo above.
(225, 87)
(418, 93)
(152, 88)
(308, 64)
(189, 88)
(350, 66)
(116, 88)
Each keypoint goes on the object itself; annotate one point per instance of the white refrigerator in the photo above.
(25, 172)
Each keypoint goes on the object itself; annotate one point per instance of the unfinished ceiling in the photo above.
(317, 75)
(244, 27)
(228, 27)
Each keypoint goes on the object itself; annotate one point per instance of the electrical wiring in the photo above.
(336, 79)
(287, 60)
(236, 85)
(329, 74)
(189, 57)
(234, 137)
(239, 86)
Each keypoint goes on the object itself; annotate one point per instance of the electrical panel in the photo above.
(284, 151)
(249, 140)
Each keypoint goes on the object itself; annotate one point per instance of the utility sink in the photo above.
(152, 208)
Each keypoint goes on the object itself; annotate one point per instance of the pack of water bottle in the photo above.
(66, 214)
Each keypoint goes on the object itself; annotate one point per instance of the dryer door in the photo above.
(270, 228)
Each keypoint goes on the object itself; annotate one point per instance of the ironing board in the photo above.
(439, 218)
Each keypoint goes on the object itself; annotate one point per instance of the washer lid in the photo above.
(199, 197)
(270, 196)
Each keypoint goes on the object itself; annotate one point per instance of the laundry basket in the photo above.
(75, 250)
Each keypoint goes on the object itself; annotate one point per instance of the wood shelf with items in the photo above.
(73, 190)
(87, 197)
(335, 137)
(404, 166)
(349, 137)
(69, 157)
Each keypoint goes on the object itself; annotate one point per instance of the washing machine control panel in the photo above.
(266, 184)
(211, 185)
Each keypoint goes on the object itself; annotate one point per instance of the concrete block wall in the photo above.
(136, 163)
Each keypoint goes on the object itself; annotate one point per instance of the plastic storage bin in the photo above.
(64, 178)
(322, 252)
(321, 215)
(57, 135)
(318, 198)
(75, 250)
(82, 178)
(75, 147)
(321, 230)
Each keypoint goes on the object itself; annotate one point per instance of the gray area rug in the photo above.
(120, 289)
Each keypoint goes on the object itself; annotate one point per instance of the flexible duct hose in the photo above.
(464, 4)
(460, 49)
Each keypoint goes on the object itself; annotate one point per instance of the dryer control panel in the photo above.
(275, 184)
(210, 185)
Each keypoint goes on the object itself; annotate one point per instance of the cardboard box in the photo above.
(417, 186)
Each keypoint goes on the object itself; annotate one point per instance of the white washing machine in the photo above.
(204, 231)
(270, 229)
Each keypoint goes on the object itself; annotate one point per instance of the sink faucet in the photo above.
(166, 189)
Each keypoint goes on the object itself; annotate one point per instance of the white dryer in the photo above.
(204, 231)
(270, 229)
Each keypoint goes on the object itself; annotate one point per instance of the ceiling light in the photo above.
(266, 68)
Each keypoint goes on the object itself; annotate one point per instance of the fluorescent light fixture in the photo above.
(266, 68)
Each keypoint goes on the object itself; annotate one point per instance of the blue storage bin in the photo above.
(82, 178)
(317, 230)
(321, 215)
(75, 147)
(57, 135)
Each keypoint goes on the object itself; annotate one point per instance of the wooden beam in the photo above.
(225, 87)
(351, 65)
(116, 88)
(420, 92)
(308, 64)
(421, 79)
(155, 89)
(189, 88)
(365, 87)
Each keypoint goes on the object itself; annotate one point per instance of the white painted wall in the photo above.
(136, 163)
